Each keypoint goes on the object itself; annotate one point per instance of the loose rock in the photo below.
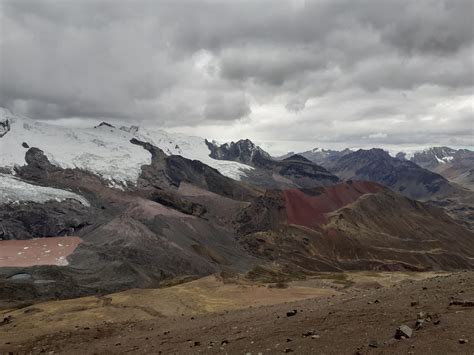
(403, 331)
(373, 344)
(309, 333)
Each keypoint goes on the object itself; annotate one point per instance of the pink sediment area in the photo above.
(42, 251)
(309, 211)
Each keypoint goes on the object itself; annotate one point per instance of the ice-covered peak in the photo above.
(104, 150)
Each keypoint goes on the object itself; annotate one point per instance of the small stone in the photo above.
(421, 315)
(288, 340)
(224, 342)
(414, 303)
(463, 341)
(197, 343)
(6, 320)
(291, 313)
(419, 323)
(315, 336)
(436, 322)
(288, 350)
(373, 344)
(403, 331)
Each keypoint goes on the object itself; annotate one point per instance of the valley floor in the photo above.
(335, 314)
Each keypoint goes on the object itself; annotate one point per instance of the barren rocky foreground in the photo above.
(330, 314)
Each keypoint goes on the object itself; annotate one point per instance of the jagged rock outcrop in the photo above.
(4, 127)
(244, 151)
(38, 166)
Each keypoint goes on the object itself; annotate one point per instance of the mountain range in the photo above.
(149, 207)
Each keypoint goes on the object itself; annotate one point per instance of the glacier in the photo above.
(13, 190)
(103, 150)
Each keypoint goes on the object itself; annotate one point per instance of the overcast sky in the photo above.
(288, 74)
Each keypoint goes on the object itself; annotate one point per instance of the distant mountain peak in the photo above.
(104, 124)
(244, 151)
(372, 153)
(297, 157)
(433, 156)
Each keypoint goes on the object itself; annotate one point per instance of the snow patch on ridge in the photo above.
(15, 190)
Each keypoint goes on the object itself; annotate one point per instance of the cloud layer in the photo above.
(314, 72)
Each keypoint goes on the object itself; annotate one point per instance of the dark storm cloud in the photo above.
(195, 63)
(226, 107)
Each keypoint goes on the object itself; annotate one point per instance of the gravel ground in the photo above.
(360, 321)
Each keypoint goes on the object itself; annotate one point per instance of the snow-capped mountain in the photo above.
(294, 171)
(457, 165)
(431, 157)
(105, 150)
